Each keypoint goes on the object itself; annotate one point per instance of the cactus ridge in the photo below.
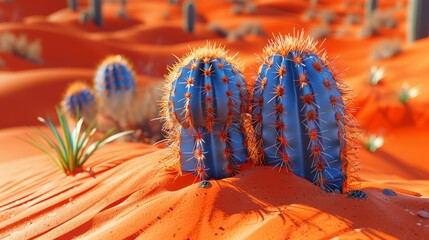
(206, 97)
(300, 114)
(80, 100)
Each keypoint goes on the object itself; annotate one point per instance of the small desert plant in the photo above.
(21, 46)
(376, 74)
(351, 19)
(122, 12)
(327, 16)
(386, 49)
(320, 32)
(310, 15)
(247, 28)
(72, 147)
(376, 21)
(407, 93)
(374, 142)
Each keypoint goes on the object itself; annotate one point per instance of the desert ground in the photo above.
(128, 195)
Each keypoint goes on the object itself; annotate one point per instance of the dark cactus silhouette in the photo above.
(300, 113)
(418, 20)
(204, 106)
(189, 16)
(95, 11)
(72, 5)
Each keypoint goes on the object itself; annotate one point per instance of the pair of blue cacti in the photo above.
(299, 120)
(113, 92)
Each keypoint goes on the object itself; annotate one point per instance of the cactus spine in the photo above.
(205, 98)
(370, 7)
(189, 16)
(418, 20)
(95, 12)
(300, 116)
(115, 85)
(72, 5)
(79, 101)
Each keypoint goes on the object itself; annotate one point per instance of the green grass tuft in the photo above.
(69, 148)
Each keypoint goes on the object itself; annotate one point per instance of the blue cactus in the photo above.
(79, 101)
(300, 116)
(206, 96)
(115, 84)
(96, 11)
(189, 16)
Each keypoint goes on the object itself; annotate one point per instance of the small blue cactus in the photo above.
(79, 101)
(206, 96)
(115, 85)
(389, 192)
(357, 194)
(300, 116)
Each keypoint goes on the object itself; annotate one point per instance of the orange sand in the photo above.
(129, 196)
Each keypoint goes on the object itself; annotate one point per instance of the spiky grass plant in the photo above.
(407, 93)
(71, 147)
(374, 142)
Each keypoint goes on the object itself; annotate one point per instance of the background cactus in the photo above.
(300, 115)
(189, 16)
(370, 7)
(79, 101)
(72, 5)
(115, 85)
(206, 96)
(418, 20)
(95, 7)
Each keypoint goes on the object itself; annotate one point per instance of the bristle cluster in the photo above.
(300, 113)
(79, 101)
(206, 95)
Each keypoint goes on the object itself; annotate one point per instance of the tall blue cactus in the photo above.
(206, 96)
(79, 101)
(418, 20)
(96, 12)
(189, 16)
(300, 116)
(115, 84)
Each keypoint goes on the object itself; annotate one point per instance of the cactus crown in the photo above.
(79, 99)
(301, 113)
